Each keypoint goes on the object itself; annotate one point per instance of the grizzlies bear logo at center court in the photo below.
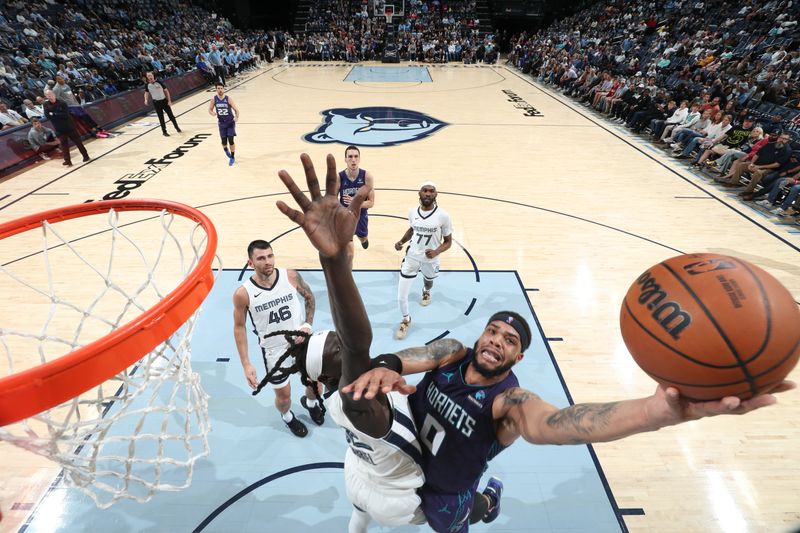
(373, 126)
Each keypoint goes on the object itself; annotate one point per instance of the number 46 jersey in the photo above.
(430, 229)
(273, 309)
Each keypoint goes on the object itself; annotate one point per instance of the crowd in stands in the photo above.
(430, 31)
(712, 82)
(93, 49)
(87, 50)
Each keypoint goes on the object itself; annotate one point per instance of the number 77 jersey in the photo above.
(273, 309)
(430, 229)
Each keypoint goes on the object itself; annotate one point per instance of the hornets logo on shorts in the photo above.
(373, 126)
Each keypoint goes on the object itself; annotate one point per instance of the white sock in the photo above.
(287, 416)
(403, 288)
(359, 521)
(311, 403)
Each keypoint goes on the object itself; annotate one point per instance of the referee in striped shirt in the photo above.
(161, 101)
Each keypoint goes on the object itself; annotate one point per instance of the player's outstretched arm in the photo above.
(414, 360)
(524, 414)
(330, 226)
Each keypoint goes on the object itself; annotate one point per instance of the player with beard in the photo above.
(382, 465)
(271, 298)
(469, 407)
(429, 234)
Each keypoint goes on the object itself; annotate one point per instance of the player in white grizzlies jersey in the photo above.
(382, 468)
(271, 298)
(428, 236)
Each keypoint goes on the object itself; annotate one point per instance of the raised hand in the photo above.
(328, 225)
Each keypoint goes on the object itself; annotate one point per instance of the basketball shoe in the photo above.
(402, 331)
(315, 412)
(493, 491)
(426, 298)
(295, 426)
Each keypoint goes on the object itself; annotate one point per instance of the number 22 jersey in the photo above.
(273, 309)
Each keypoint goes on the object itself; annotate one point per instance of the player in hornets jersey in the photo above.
(351, 179)
(271, 298)
(428, 236)
(224, 108)
(469, 407)
(382, 462)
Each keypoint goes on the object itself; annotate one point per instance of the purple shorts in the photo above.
(363, 221)
(448, 513)
(227, 130)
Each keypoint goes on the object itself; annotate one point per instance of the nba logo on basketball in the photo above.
(709, 265)
(373, 126)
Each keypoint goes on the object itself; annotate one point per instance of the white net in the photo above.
(72, 283)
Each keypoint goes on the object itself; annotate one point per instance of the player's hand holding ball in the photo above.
(719, 334)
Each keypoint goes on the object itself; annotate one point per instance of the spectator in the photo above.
(744, 153)
(715, 133)
(34, 110)
(10, 118)
(771, 156)
(698, 129)
(736, 137)
(41, 139)
(788, 169)
(215, 61)
(657, 126)
(786, 207)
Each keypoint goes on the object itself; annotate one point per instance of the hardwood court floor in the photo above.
(576, 206)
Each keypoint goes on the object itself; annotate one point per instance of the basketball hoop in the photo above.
(99, 379)
(388, 12)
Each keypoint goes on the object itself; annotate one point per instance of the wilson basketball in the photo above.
(711, 326)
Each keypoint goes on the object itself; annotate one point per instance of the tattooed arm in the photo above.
(305, 292)
(438, 353)
(518, 412)
(522, 413)
(421, 359)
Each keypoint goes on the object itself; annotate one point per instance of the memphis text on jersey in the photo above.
(272, 303)
(451, 411)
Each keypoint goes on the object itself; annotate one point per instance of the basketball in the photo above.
(711, 326)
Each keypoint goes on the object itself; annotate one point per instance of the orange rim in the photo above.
(32, 391)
